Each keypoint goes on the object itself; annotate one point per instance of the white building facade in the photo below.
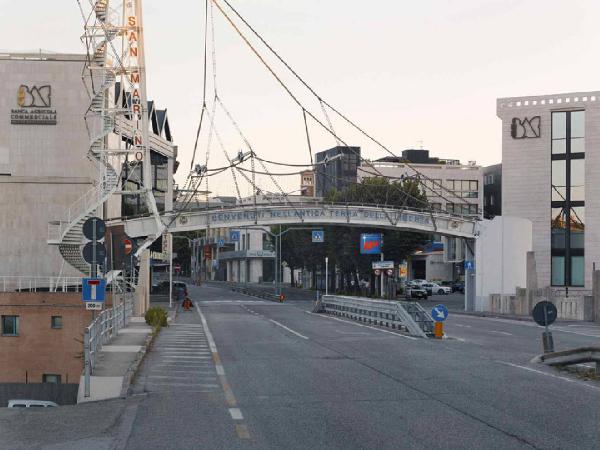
(550, 174)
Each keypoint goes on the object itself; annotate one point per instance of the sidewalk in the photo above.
(118, 361)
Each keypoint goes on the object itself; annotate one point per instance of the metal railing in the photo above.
(39, 284)
(102, 329)
(405, 316)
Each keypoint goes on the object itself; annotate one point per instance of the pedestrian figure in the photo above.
(187, 304)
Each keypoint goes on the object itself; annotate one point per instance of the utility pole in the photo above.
(170, 244)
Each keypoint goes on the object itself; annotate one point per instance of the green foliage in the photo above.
(342, 243)
(156, 317)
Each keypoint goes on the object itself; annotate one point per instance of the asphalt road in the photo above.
(247, 373)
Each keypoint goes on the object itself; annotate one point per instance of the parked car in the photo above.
(162, 287)
(418, 282)
(415, 292)
(458, 286)
(31, 404)
(434, 288)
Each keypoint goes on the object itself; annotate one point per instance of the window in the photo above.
(51, 378)
(489, 179)
(436, 206)
(56, 322)
(10, 325)
(568, 198)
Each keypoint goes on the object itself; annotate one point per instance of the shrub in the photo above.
(156, 317)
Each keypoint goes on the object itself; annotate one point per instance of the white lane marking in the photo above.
(288, 329)
(505, 333)
(220, 370)
(236, 414)
(185, 357)
(560, 328)
(361, 325)
(551, 375)
(462, 326)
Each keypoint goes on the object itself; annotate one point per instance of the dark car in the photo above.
(415, 292)
(458, 286)
(162, 287)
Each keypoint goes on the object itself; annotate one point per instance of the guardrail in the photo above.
(102, 329)
(39, 284)
(573, 356)
(258, 293)
(405, 316)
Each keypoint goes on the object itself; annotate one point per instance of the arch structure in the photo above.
(240, 216)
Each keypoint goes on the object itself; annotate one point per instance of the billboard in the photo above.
(371, 244)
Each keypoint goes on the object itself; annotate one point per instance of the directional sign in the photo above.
(88, 252)
(94, 306)
(469, 265)
(93, 289)
(94, 226)
(544, 313)
(318, 236)
(439, 313)
(382, 264)
(234, 236)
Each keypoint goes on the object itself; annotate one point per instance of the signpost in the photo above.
(439, 314)
(545, 313)
(382, 265)
(371, 244)
(234, 236)
(318, 236)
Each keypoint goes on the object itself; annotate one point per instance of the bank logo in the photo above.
(525, 128)
(34, 97)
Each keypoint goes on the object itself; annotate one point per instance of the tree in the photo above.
(342, 243)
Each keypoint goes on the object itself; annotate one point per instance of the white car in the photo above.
(434, 288)
(31, 404)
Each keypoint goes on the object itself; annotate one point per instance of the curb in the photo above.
(135, 365)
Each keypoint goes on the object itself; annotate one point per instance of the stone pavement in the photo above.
(118, 360)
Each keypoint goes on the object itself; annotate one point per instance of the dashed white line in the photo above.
(505, 333)
(236, 414)
(288, 329)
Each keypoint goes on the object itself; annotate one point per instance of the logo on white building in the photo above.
(525, 128)
(34, 106)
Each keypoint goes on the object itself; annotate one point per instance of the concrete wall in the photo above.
(501, 258)
(39, 349)
(43, 168)
(526, 172)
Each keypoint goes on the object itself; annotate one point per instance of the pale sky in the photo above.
(407, 72)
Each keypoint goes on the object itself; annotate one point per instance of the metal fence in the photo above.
(102, 329)
(39, 284)
(405, 316)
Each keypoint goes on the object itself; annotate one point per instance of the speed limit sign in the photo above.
(389, 272)
(377, 272)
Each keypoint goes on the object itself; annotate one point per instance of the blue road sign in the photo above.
(221, 243)
(371, 244)
(318, 236)
(234, 236)
(469, 265)
(93, 289)
(439, 313)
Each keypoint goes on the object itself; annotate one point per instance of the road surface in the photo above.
(240, 372)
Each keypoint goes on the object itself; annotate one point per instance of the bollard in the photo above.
(548, 342)
(438, 330)
(87, 362)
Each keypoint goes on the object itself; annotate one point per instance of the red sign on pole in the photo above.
(128, 246)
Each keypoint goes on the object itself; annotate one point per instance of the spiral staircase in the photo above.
(67, 234)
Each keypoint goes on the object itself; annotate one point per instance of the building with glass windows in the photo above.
(550, 167)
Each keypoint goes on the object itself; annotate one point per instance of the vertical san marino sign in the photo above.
(34, 106)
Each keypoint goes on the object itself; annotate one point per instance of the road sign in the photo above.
(221, 243)
(382, 264)
(318, 236)
(94, 306)
(127, 246)
(544, 313)
(389, 272)
(371, 244)
(469, 265)
(377, 272)
(94, 224)
(88, 253)
(93, 289)
(234, 236)
(439, 313)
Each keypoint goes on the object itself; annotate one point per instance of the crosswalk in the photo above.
(181, 359)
